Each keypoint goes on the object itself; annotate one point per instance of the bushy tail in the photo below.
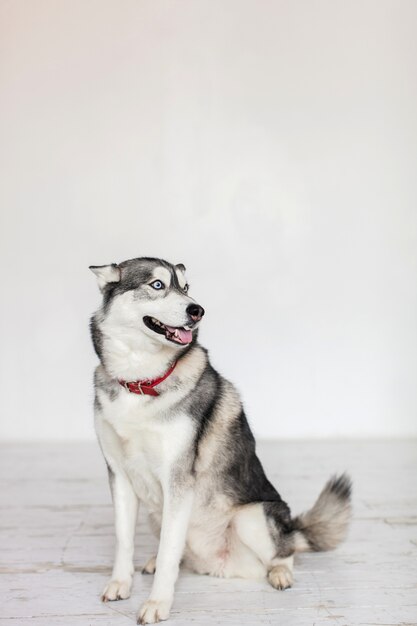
(325, 525)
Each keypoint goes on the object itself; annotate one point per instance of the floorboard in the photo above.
(57, 542)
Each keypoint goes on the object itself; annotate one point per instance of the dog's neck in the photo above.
(129, 354)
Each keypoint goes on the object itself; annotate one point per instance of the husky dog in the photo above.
(175, 438)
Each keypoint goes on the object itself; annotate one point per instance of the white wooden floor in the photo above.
(57, 543)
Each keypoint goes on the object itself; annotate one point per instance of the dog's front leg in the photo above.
(175, 519)
(125, 505)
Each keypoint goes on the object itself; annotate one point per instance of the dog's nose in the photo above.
(195, 311)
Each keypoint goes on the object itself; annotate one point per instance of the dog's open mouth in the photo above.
(172, 333)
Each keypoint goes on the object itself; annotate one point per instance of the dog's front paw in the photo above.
(116, 590)
(153, 611)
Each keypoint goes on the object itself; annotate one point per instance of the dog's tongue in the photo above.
(182, 335)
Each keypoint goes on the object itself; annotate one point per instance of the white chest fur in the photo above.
(144, 438)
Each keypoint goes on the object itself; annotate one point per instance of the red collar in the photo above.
(146, 387)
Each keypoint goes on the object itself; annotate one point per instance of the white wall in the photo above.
(268, 145)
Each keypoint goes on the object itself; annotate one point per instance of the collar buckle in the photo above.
(148, 385)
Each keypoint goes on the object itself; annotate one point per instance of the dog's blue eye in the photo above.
(186, 287)
(157, 284)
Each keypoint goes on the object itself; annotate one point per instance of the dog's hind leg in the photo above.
(125, 514)
(260, 531)
(150, 566)
(268, 530)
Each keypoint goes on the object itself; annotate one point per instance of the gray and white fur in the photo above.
(188, 455)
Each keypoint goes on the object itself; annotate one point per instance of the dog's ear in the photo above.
(106, 274)
(181, 267)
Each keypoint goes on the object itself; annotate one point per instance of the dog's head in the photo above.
(150, 296)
